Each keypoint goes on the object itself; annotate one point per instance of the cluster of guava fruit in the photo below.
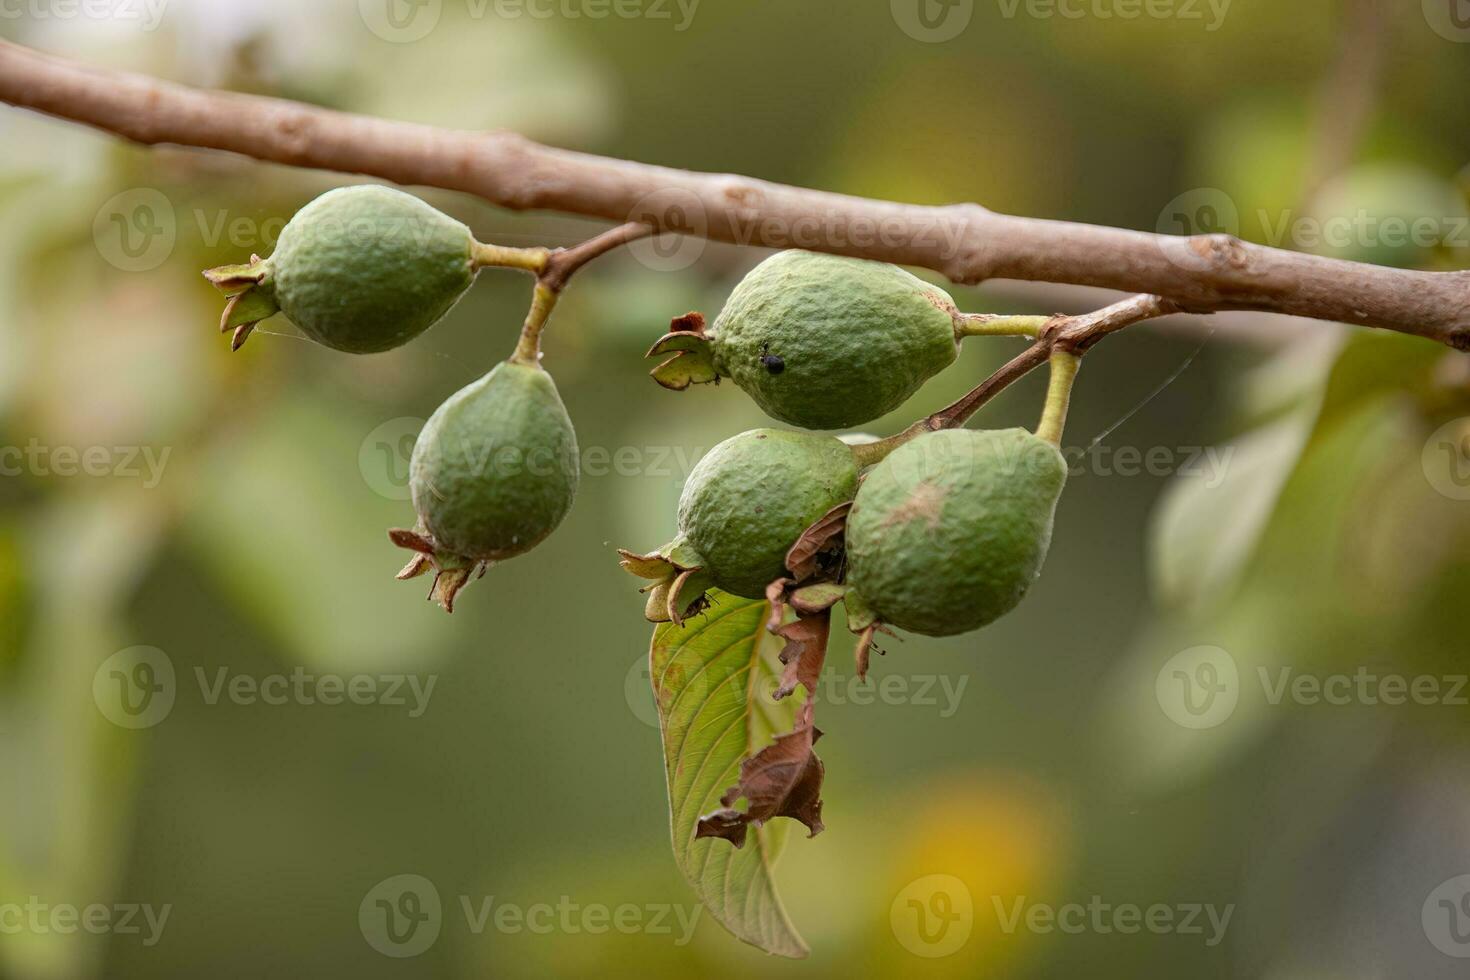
(367, 269)
(942, 535)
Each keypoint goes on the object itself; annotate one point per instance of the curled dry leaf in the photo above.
(818, 552)
(782, 780)
(804, 653)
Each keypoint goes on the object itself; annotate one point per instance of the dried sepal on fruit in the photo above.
(679, 582)
(251, 297)
(693, 360)
(451, 572)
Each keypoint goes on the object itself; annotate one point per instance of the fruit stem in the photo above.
(955, 415)
(873, 452)
(1063, 365)
(505, 257)
(998, 325)
(528, 348)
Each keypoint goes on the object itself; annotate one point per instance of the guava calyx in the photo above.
(251, 295)
(693, 362)
(680, 582)
(451, 572)
(862, 620)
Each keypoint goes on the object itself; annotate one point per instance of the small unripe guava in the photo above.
(825, 342)
(950, 530)
(820, 341)
(493, 472)
(744, 505)
(360, 269)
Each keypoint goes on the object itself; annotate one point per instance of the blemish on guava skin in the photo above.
(924, 502)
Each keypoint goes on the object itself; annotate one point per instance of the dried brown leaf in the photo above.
(782, 780)
(818, 552)
(804, 653)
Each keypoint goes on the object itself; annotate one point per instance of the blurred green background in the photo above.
(1048, 761)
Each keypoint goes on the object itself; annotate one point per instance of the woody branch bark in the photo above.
(965, 242)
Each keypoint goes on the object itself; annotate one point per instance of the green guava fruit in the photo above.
(492, 474)
(950, 530)
(745, 504)
(819, 341)
(360, 269)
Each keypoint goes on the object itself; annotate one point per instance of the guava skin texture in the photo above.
(950, 530)
(366, 269)
(827, 342)
(496, 467)
(749, 499)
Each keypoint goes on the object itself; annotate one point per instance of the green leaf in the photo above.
(712, 680)
(1208, 526)
(1205, 530)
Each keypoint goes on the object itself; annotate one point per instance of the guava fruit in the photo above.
(493, 473)
(743, 507)
(950, 530)
(360, 269)
(819, 341)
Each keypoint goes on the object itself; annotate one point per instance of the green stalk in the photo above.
(1063, 366)
(528, 348)
(505, 257)
(998, 325)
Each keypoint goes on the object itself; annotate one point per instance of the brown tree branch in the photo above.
(965, 242)
(563, 263)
